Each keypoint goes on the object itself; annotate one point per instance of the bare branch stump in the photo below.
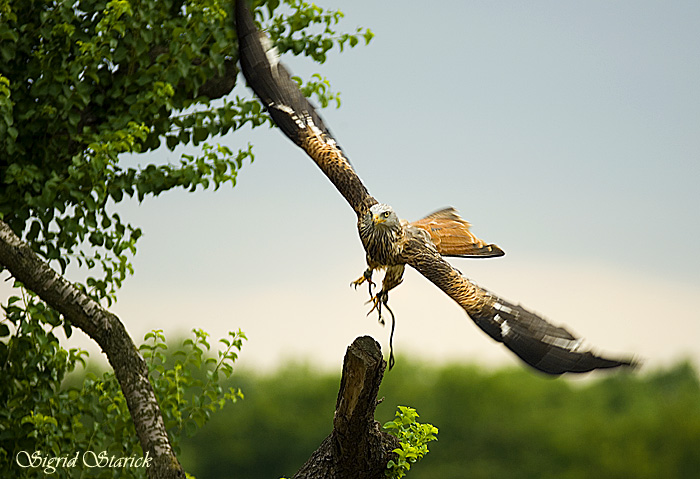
(356, 448)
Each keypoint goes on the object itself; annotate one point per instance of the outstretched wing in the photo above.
(548, 348)
(292, 112)
(450, 234)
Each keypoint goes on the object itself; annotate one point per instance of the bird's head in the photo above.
(384, 216)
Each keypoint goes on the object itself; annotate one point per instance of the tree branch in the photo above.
(221, 85)
(109, 332)
(356, 448)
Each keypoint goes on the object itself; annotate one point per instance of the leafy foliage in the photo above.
(285, 416)
(507, 423)
(94, 417)
(83, 84)
(414, 438)
(189, 389)
(33, 365)
(291, 32)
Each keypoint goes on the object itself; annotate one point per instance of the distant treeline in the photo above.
(509, 423)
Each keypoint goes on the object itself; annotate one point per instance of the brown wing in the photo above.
(451, 236)
(292, 112)
(544, 346)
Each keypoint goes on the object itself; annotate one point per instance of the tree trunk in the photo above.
(109, 332)
(356, 448)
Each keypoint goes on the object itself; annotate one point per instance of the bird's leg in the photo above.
(392, 278)
(366, 276)
(382, 298)
(377, 300)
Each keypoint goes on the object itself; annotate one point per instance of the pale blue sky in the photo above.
(566, 132)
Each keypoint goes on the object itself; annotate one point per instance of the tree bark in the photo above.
(109, 332)
(356, 448)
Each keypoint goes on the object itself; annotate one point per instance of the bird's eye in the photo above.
(385, 214)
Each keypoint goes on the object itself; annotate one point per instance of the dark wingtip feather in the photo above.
(245, 25)
(548, 348)
(289, 108)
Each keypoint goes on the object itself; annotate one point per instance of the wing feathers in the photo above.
(544, 346)
(452, 237)
(292, 112)
(271, 81)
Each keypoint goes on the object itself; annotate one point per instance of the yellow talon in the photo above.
(377, 300)
(375, 305)
(366, 276)
(359, 281)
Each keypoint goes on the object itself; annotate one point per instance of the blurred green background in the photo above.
(505, 423)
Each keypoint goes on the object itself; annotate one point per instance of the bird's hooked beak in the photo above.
(376, 219)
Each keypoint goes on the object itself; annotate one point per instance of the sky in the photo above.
(568, 133)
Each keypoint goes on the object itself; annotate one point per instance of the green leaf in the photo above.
(94, 84)
(413, 438)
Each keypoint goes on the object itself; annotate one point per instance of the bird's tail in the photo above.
(451, 235)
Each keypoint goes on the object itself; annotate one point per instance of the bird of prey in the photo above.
(391, 243)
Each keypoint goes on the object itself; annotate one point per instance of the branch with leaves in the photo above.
(82, 85)
(106, 330)
(356, 447)
(414, 438)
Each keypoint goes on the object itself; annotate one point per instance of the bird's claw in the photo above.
(366, 276)
(382, 298)
(361, 280)
(377, 300)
